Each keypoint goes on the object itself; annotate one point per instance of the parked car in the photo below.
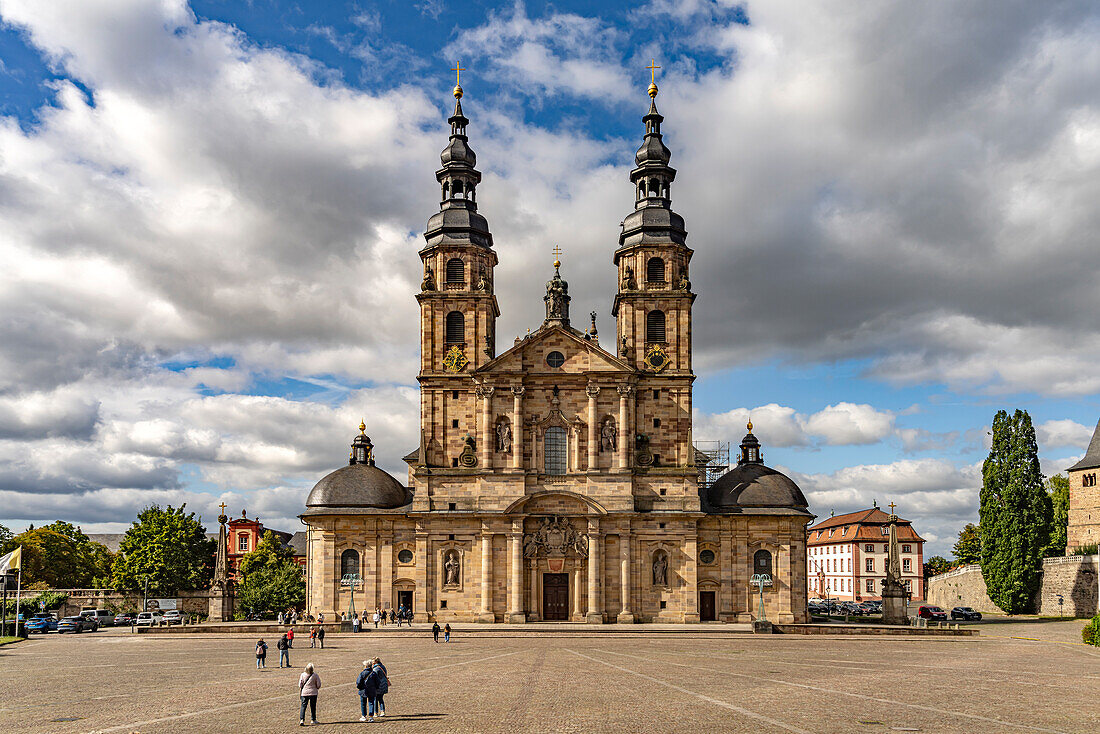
(123, 619)
(932, 612)
(149, 619)
(966, 613)
(103, 617)
(173, 616)
(41, 623)
(77, 624)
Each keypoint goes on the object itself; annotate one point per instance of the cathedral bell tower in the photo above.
(653, 303)
(458, 309)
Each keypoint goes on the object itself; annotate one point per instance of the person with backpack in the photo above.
(284, 651)
(309, 685)
(435, 631)
(290, 639)
(393, 617)
(261, 654)
(321, 637)
(383, 682)
(447, 632)
(367, 683)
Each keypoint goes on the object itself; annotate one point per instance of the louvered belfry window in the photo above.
(655, 270)
(456, 270)
(455, 328)
(655, 326)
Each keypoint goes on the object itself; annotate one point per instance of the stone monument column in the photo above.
(486, 614)
(595, 545)
(517, 427)
(625, 434)
(894, 597)
(486, 429)
(220, 607)
(578, 610)
(593, 428)
(515, 582)
(625, 616)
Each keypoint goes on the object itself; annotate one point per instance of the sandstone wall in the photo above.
(963, 587)
(1072, 577)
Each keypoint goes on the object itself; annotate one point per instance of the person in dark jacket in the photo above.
(447, 633)
(435, 631)
(367, 683)
(261, 654)
(383, 682)
(283, 646)
(393, 615)
(321, 636)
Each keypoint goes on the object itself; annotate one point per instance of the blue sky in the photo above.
(211, 212)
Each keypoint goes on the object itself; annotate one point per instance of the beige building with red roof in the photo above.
(846, 556)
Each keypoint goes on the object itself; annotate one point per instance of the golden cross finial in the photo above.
(362, 425)
(458, 79)
(892, 506)
(653, 71)
(222, 505)
(557, 256)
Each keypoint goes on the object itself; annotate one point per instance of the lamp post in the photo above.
(761, 580)
(352, 581)
(145, 600)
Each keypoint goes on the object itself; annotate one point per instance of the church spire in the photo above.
(458, 221)
(557, 296)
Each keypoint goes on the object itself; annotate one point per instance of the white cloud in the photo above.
(1063, 433)
(849, 424)
(843, 424)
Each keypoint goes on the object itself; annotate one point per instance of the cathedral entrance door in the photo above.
(555, 597)
(706, 606)
(405, 599)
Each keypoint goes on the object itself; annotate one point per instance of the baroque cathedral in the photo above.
(557, 480)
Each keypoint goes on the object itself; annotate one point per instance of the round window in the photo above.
(555, 359)
(405, 556)
(706, 557)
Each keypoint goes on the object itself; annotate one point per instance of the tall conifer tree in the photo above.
(1014, 513)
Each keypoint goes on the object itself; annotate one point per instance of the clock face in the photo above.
(455, 361)
(656, 359)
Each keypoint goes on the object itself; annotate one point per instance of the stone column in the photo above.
(578, 609)
(327, 581)
(625, 616)
(691, 573)
(533, 605)
(486, 614)
(517, 427)
(626, 435)
(423, 576)
(593, 429)
(515, 585)
(485, 457)
(595, 544)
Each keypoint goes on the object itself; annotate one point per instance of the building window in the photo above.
(655, 326)
(656, 394)
(555, 359)
(1088, 480)
(555, 450)
(655, 270)
(242, 544)
(455, 330)
(454, 422)
(870, 566)
(885, 530)
(404, 556)
(456, 270)
(906, 565)
(656, 422)
(349, 562)
(762, 562)
(706, 557)
(869, 548)
(454, 394)
(442, 603)
(844, 531)
(907, 549)
(909, 585)
(870, 586)
(831, 531)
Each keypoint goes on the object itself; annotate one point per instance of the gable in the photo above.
(581, 355)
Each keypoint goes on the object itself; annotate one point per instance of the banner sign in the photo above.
(161, 604)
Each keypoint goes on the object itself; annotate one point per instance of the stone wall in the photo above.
(1072, 577)
(188, 602)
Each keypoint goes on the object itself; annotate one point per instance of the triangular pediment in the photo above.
(581, 356)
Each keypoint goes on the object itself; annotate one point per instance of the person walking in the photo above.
(367, 684)
(447, 632)
(309, 685)
(290, 639)
(283, 646)
(393, 617)
(321, 637)
(375, 618)
(261, 654)
(383, 686)
(313, 637)
(435, 631)
(355, 623)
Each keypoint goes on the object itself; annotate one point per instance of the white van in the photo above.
(102, 617)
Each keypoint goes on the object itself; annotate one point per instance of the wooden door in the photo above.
(706, 606)
(555, 596)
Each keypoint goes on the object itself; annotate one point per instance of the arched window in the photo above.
(446, 190)
(455, 328)
(555, 450)
(456, 270)
(655, 326)
(349, 562)
(762, 562)
(655, 270)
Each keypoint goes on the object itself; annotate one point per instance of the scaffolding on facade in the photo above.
(712, 458)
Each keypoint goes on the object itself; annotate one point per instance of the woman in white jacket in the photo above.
(309, 685)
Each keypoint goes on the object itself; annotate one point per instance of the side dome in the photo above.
(358, 485)
(755, 486)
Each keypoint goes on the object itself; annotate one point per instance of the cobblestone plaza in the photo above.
(503, 681)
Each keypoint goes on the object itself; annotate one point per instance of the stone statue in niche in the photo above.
(468, 457)
(660, 569)
(629, 284)
(428, 284)
(504, 437)
(608, 435)
(451, 568)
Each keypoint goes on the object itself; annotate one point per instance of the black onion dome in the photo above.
(358, 485)
(458, 151)
(753, 486)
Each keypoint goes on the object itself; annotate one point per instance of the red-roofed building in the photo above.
(244, 534)
(846, 556)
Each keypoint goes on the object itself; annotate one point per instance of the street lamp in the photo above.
(761, 580)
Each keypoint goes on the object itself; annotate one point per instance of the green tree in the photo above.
(968, 548)
(5, 539)
(91, 565)
(1014, 515)
(271, 580)
(170, 547)
(49, 558)
(936, 565)
(1058, 488)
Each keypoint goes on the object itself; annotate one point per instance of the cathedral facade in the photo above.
(557, 479)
